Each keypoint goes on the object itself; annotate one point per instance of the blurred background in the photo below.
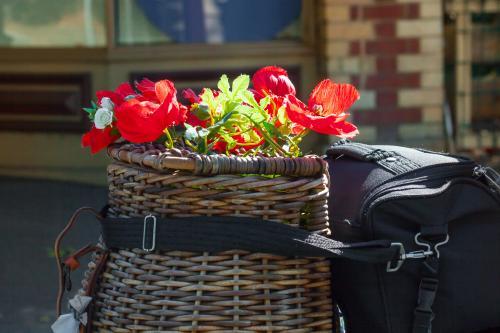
(427, 70)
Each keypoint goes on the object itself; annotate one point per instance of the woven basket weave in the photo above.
(232, 291)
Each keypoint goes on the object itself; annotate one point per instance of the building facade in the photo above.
(416, 63)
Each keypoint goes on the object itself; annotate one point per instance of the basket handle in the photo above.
(200, 164)
(71, 263)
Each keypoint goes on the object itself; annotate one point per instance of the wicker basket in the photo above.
(232, 291)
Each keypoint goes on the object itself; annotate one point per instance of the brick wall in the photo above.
(392, 50)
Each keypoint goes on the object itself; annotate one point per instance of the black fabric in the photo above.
(427, 290)
(217, 234)
(390, 160)
(444, 196)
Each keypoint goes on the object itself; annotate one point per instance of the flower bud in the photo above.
(107, 103)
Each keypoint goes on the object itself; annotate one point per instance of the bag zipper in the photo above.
(491, 176)
(443, 171)
(384, 197)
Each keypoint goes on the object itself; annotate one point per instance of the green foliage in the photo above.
(91, 111)
(234, 117)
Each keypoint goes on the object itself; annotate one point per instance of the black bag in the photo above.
(443, 214)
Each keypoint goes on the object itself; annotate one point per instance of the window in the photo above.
(472, 32)
(41, 23)
(99, 43)
(206, 21)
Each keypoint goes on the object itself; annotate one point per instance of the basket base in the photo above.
(231, 291)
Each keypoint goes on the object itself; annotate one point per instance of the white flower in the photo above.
(107, 103)
(103, 117)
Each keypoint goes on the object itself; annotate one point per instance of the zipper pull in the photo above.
(492, 177)
(341, 142)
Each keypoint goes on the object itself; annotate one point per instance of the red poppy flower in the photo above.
(118, 96)
(98, 139)
(272, 80)
(145, 120)
(325, 112)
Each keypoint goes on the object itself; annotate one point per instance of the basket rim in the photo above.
(158, 157)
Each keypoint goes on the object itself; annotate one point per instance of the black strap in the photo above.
(423, 315)
(216, 234)
(433, 237)
(389, 160)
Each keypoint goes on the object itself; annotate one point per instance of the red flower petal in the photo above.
(139, 121)
(220, 146)
(147, 89)
(165, 90)
(331, 125)
(98, 139)
(145, 120)
(115, 98)
(191, 96)
(332, 97)
(273, 80)
(118, 96)
(124, 90)
(183, 111)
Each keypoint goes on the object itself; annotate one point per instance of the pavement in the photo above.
(32, 213)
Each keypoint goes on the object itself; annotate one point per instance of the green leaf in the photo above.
(208, 97)
(202, 146)
(240, 84)
(264, 102)
(270, 128)
(202, 112)
(282, 114)
(214, 129)
(93, 104)
(251, 113)
(90, 112)
(115, 131)
(223, 84)
(249, 98)
(231, 143)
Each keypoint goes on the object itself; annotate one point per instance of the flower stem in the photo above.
(170, 141)
(273, 144)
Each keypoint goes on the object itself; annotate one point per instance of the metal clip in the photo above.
(399, 262)
(428, 246)
(144, 231)
(419, 254)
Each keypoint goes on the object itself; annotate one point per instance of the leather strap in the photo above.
(216, 234)
(62, 268)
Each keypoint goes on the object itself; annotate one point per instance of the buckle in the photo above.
(399, 262)
(428, 251)
(149, 219)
